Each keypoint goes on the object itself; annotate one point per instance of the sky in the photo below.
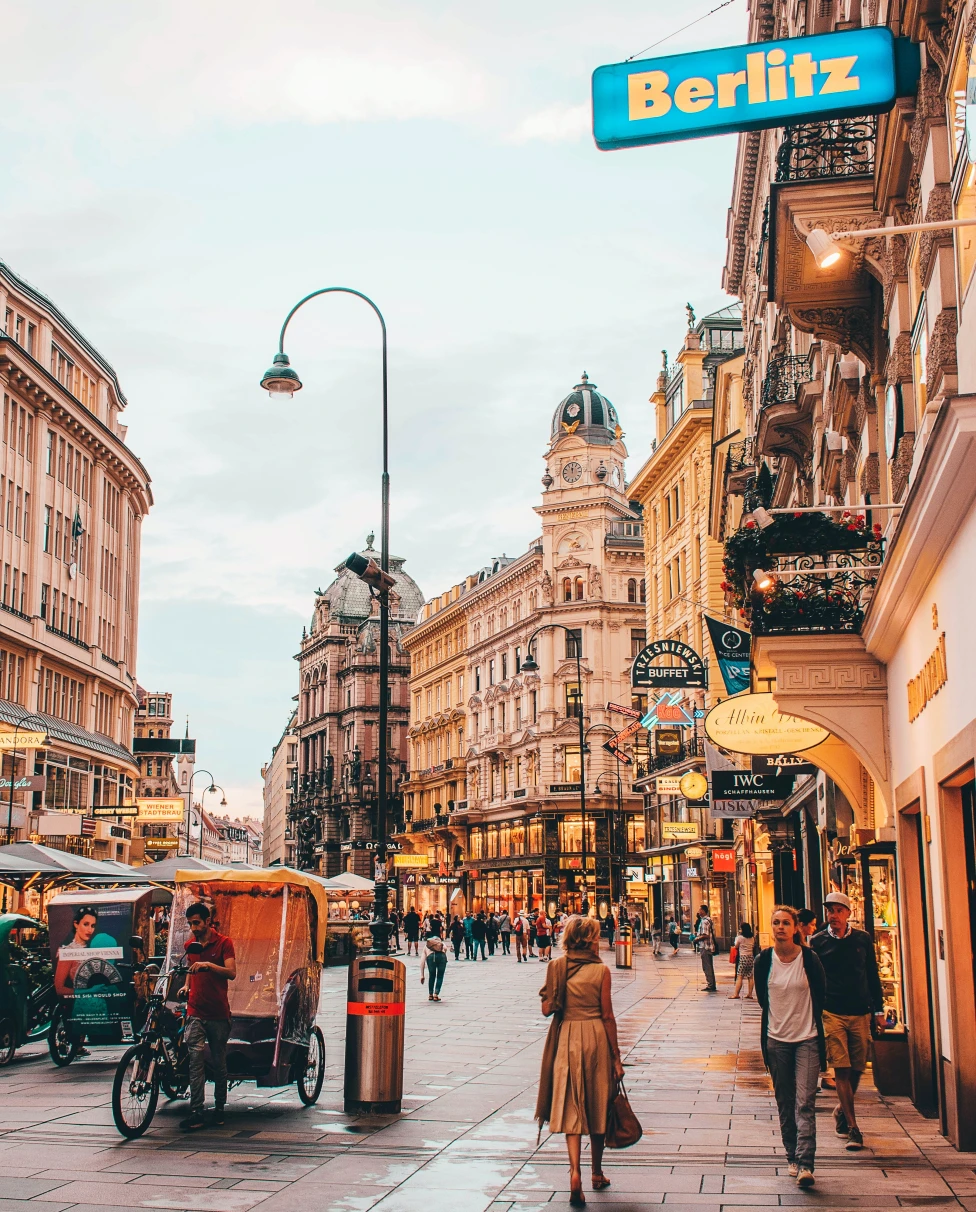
(179, 175)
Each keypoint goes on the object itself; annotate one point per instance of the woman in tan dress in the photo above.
(582, 1057)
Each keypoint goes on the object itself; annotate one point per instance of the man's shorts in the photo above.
(848, 1038)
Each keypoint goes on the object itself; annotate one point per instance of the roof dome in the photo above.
(588, 414)
(349, 597)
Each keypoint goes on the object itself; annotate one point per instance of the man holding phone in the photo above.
(207, 1014)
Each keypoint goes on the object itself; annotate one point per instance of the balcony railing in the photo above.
(816, 151)
(688, 752)
(784, 376)
(741, 456)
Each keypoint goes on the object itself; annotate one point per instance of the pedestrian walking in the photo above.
(491, 933)
(411, 930)
(436, 967)
(581, 1060)
(543, 936)
(468, 937)
(521, 932)
(207, 1015)
(478, 935)
(745, 952)
(505, 932)
(807, 928)
(532, 934)
(656, 936)
(674, 936)
(791, 987)
(636, 927)
(611, 930)
(395, 921)
(705, 945)
(457, 936)
(853, 992)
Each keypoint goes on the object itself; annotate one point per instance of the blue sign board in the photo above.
(760, 84)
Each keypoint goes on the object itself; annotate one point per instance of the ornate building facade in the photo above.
(333, 808)
(165, 771)
(72, 500)
(280, 779)
(517, 839)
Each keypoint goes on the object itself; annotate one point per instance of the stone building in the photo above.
(333, 809)
(517, 839)
(72, 500)
(859, 412)
(279, 777)
(684, 577)
(165, 772)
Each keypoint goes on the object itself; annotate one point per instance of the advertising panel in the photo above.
(681, 831)
(752, 723)
(744, 785)
(690, 673)
(161, 811)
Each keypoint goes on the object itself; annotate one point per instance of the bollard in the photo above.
(374, 1035)
(625, 947)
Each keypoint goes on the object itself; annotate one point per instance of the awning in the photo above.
(680, 847)
(19, 871)
(348, 881)
(68, 734)
(47, 859)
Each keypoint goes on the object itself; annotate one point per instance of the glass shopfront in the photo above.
(511, 891)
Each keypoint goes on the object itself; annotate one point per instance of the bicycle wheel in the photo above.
(134, 1095)
(310, 1077)
(60, 1043)
(8, 1041)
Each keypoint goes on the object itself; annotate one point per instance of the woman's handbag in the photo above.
(733, 954)
(623, 1126)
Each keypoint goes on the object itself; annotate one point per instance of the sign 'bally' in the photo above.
(760, 84)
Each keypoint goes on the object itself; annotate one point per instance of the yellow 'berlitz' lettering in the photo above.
(646, 97)
(839, 79)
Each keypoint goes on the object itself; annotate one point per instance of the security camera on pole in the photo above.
(377, 981)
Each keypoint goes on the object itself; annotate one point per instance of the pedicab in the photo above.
(99, 946)
(27, 998)
(277, 920)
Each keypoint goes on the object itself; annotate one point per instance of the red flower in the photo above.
(846, 513)
(725, 587)
(876, 528)
(750, 525)
(798, 515)
(860, 519)
(852, 527)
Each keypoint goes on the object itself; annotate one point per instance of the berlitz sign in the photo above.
(760, 84)
(690, 673)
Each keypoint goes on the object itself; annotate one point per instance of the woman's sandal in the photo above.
(576, 1197)
(600, 1182)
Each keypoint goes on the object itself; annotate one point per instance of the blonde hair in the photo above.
(786, 909)
(580, 932)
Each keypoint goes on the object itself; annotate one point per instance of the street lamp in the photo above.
(531, 665)
(13, 771)
(615, 846)
(281, 382)
(212, 789)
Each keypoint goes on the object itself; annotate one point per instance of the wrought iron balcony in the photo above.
(784, 376)
(816, 151)
(741, 456)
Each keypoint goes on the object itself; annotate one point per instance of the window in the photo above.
(460, 697)
(501, 716)
(62, 366)
(638, 640)
(567, 589)
(574, 704)
(578, 589)
(571, 764)
(635, 834)
(504, 659)
(632, 590)
(477, 678)
(518, 659)
(574, 643)
(676, 404)
(45, 591)
(643, 591)
(534, 705)
(518, 714)
(491, 672)
(447, 693)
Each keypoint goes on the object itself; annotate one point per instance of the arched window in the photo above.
(567, 589)
(632, 590)
(643, 591)
(579, 589)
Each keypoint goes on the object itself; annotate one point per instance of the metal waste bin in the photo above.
(625, 947)
(374, 1035)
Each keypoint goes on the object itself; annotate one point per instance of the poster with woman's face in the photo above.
(91, 950)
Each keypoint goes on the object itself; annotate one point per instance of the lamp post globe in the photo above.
(280, 381)
(530, 664)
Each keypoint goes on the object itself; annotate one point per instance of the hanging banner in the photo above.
(732, 648)
(752, 723)
(690, 673)
(750, 87)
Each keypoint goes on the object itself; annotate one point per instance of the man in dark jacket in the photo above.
(411, 929)
(853, 992)
(479, 933)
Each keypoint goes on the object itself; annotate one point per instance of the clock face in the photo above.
(572, 472)
(615, 476)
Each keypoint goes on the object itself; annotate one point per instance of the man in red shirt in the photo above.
(208, 1014)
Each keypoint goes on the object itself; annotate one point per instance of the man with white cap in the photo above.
(853, 992)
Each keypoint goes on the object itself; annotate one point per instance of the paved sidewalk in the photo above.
(466, 1141)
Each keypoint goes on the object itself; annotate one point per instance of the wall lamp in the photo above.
(763, 580)
(826, 251)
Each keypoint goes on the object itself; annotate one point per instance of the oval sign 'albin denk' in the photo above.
(759, 84)
(752, 723)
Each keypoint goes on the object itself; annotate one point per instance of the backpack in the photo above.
(519, 926)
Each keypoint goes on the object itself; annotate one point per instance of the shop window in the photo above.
(635, 834)
(535, 837)
(476, 843)
(571, 764)
(492, 840)
(571, 835)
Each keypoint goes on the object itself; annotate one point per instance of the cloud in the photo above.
(554, 124)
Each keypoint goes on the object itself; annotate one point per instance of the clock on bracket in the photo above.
(572, 472)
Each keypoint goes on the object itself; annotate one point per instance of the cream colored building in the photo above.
(279, 777)
(517, 839)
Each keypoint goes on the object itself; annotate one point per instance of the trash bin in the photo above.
(374, 1035)
(625, 947)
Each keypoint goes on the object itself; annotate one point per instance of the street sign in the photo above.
(681, 831)
(752, 86)
(668, 785)
(22, 739)
(744, 785)
(781, 763)
(411, 860)
(161, 811)
(621, 710)
(614, 748)
(690, 673)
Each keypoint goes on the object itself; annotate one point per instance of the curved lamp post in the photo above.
(213, 788)
(28, 715)
(189, 809)
(531, 665)
(281, 382)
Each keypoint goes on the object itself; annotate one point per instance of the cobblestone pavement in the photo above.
(466, 1141)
